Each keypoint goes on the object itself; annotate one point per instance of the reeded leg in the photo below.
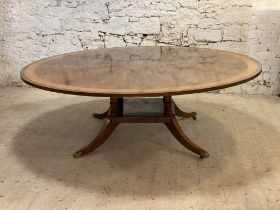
(179, 134)
(101, 115)
(102, 136)
(180, 113)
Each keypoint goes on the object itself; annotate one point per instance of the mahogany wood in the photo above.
(117, 116)
(101, 137)
(141, 71)
(175, 129)
(139, 119)
(180, 113)
(101, 115)
(168, 106)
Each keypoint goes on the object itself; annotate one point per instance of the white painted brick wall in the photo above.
(30, 30)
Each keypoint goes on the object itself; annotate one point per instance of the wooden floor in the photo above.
(140, 166)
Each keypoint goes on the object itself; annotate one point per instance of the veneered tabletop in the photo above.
(141, 71)
(137, 72)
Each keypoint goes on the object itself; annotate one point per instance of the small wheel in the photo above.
(204, 154)
(194, 117)
(77, 154)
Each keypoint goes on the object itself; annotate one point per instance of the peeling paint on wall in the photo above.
(34, 30)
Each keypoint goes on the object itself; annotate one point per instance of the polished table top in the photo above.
(141, 71)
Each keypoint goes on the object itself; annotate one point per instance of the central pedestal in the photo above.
(143, 110)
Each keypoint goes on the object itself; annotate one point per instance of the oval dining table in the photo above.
(140, 82)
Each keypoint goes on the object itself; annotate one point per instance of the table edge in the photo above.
(147, 94)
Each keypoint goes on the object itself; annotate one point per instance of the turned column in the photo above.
(116, 107)
(168, 106)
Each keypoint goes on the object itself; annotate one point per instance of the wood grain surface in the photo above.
(141, 71)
